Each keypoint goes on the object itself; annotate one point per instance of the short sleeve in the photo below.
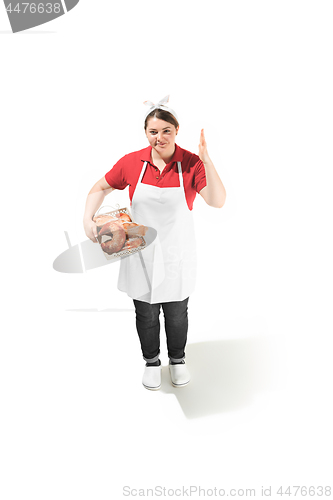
(116, 177)
(199, 176)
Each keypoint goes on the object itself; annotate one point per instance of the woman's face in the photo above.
(161, 136)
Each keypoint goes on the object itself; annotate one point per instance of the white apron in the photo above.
(164, 271)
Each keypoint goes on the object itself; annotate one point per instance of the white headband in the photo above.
(160, 105)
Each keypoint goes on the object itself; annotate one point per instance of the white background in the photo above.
(76, 422)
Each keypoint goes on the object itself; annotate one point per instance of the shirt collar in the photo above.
(177, 156)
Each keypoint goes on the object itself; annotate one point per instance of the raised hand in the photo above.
(203, 153)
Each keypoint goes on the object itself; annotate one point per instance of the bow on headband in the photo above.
(160, 105)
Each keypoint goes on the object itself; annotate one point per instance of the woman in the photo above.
(163, 180)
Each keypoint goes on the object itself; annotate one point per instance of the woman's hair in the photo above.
(162, 114)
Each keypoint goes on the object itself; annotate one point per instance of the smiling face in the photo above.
(161, 136)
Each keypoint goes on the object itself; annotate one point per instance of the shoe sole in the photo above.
(151, 388)
(180, 385)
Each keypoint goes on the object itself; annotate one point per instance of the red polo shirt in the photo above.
(127, 170)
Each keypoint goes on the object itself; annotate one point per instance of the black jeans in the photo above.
(148, 327)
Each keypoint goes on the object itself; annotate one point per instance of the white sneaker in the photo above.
(179, 374)
(152, 377)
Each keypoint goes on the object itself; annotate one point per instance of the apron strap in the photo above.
(142, 172)
(181, 180)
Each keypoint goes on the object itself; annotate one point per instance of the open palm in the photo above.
(203, 153)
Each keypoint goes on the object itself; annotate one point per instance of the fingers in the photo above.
(94, 233)
(203, 143)
(91, 231)
(93, 238)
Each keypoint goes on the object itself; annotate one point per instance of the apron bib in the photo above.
(164, 271)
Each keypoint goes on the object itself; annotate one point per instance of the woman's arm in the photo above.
(94, 200)
(214, 192)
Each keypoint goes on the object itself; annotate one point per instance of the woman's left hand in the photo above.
(203, 153)
(214, 192)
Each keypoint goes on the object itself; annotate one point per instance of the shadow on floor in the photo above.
(226, 375)
(87, 255)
